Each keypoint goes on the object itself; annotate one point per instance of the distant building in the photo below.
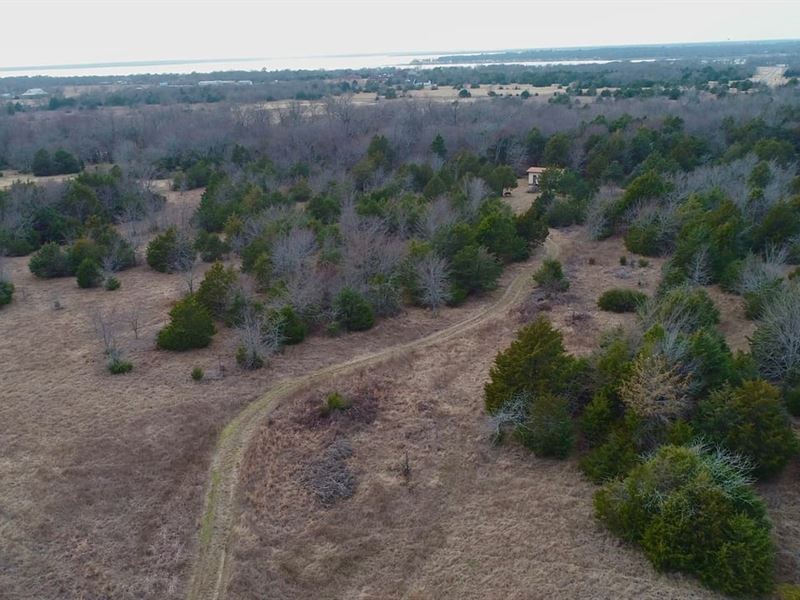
(216, 82)
(33, 93)
(534, 173)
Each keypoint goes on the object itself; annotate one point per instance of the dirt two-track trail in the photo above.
(211, 565)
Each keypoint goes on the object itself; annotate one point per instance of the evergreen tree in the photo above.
(438, 147)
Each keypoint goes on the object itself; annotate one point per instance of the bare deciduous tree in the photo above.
(698, 268)
(369, 250)
(439, 214)
(656, 389)
(184, 258)
(114, 258)
(134, 320)
(475, 193)
(759, 273)
(105, 325)
(776, 341)
(259, 338)
(598, 222)
(305, 290)
(511, 415)
(293, 251)
(432, 277)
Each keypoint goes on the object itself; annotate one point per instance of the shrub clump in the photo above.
(535, 363)
(621, 300)
(112, 283)
(550, 277)
(548, 430)
(335, 401)
(170, 251)
(473, 269)
(118, 366)
(6, 292)
(646, 239)
(693, 510)
(248, 359)
(215, 292)
(197, 374)
(190, 327)
(88, 274)
(353, 312)
(293, 328)
(161, 249)
(597, 419)
(750, 420)
(791, 398)
(50, 261)
(210, 246)
(692, 308)
(615, 457)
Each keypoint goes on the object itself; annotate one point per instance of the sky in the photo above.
(39, 32)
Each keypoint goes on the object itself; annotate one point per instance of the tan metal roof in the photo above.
(539, 170)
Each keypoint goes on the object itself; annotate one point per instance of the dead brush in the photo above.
(362, 407)
(536, 302)
(329, 478)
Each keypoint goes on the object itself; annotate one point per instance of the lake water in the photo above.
(259, 64)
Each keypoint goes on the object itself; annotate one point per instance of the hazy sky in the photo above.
(39, 32)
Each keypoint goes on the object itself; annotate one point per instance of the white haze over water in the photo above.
(354, 33)
(267, 64)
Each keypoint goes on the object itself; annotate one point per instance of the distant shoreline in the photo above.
(412, 60)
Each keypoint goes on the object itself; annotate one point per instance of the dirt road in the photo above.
(211, 566)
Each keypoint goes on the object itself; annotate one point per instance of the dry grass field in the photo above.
(442, 94)
(104, 477)
(437, 512)
(449, 93)
(10, 176)
(772, 76)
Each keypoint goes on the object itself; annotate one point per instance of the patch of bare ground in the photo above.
(519, 199)
(592, 267)
(104, 477)
(733, 324)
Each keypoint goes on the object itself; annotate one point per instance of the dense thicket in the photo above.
(32, 215)
(643, 406)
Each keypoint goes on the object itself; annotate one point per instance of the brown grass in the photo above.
(10, 176)
(467, 520)
(773, 76)
(104, 476)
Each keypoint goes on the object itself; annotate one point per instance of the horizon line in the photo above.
(439, 53)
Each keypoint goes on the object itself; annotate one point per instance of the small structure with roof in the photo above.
(33, 93)
(534, 174)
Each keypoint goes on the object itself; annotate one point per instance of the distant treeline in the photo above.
(768, 50)
(314, 85)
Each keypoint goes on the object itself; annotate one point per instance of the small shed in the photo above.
(33, 93)
(534, 173)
